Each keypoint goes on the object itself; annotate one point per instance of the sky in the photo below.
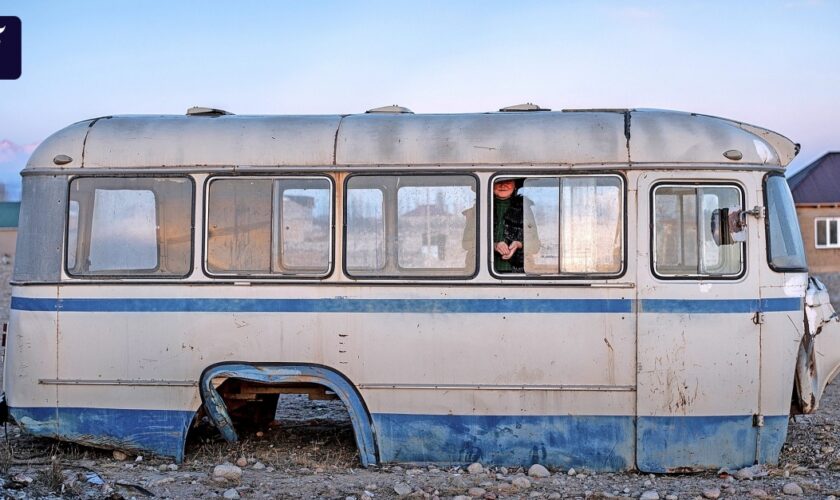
(775, 64)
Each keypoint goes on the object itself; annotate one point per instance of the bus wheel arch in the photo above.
(287, 373)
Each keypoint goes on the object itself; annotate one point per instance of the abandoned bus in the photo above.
(659, 317)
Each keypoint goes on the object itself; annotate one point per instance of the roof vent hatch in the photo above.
(394, 109)
(528, 106)
(202, 111)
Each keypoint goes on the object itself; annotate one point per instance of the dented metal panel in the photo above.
(688, 138)
(500, 138)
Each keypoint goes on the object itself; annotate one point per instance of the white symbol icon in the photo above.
(2, 29)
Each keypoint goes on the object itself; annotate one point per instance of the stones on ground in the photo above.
(18, 481)
(476, 492)
(163, 480)
(119, 456)
(555, 496)
(461, 497)
(538, 470)
(475, 468)
(759, 493)
(402, 489)
(258, 466)
(522, 483)
(228, 472)
(504, 487)
(671, 497)
(172, 467)
(231, 494)
(647, 483)
(503, 471)
(711, 493)
(792, 489)
(650, 495)
(572, 472)
(751, 472)
(241, 462)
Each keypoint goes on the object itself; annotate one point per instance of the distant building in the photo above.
(816, 193)
(9, 214)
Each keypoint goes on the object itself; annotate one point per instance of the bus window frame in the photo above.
(507, 277)
(414, 276)
(125, 276)
(652, 240)
(234, 276)
(767, 247)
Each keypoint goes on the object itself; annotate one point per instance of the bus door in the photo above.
(698, 380)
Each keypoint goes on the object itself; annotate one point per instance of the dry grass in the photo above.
(311, 445)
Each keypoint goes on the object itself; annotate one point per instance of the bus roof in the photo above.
(585, 137)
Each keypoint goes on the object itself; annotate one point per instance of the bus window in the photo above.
(685, 227)
(571, 225)
(129, 226)
(411, 225)
(785, 250)
(269, 226)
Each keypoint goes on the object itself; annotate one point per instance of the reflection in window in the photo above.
(787, 252)
(129, 226)
(269, 226)
(123, 231)
(687, 225)
(410, 225)
(365, 229)
(430, 226)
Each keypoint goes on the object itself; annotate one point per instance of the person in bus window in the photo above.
(509, 214)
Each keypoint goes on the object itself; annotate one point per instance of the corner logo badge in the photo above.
(10, 48)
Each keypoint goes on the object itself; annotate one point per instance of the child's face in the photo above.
(504, 189)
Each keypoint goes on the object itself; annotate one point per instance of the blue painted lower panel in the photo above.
(667, 444)
(160, 432)
(601, 443)
(595, 442)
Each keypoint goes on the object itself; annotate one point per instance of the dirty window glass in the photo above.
(129, 226)
(786, 250)
(365, 229)
(411, 225)
(571, 225)
(698, 231)
(269, 226)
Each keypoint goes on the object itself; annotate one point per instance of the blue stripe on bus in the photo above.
(331, 305)
(720, 306)
(345, 305)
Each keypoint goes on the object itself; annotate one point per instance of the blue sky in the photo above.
(774, 63)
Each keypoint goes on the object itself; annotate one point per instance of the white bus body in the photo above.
(142, 296)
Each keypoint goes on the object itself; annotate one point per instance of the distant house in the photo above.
(9, 214)
(816, 193)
